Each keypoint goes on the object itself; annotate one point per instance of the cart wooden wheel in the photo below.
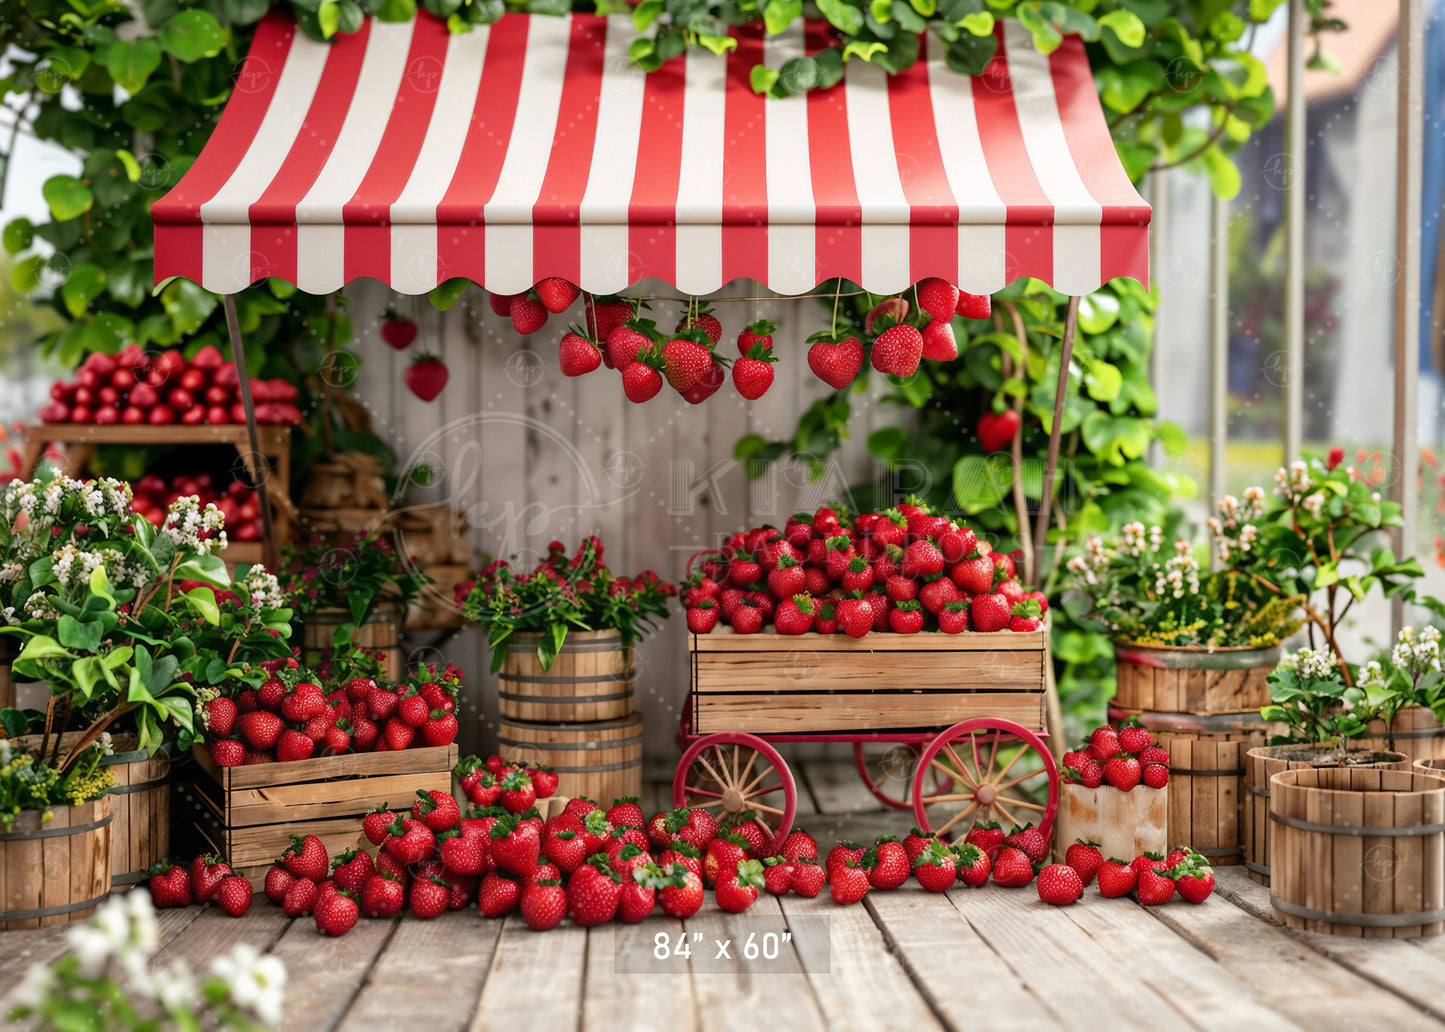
(737, 778)
(1001, 772)
(887, 769)
(684, 723)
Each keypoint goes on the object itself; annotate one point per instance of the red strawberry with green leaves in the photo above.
(498, 895)
(352, 868)
(528, 315)
(887, 863)
(544, 781)
(974, 865)
(795, 615)
(576, 355)
(515, 845)
(625, 813)
(1030, 840)
(747, 617)
(1155, 775)
(916, 841)
(897, 350)
(336, 913)
(377, 825)
(592, 898)
(1059, 885)
(756, 335)
(397, 330)
(855, 617)
(627, 343)
(808, 877)
(436, 809)
(411, 841)
(726, 850)
(989, 613)
(702, 319)
(1116, 878)
(429, 898)
(848, 883)
(543, 905)
(603, 315)
(300, 898)
(260, 729)
(682, 895)
(382, 895)
(835, 361)
(219, 715)
(556, 294)
(799, 845)
(426, 376)
(974, 575)
(1122, 771)
(953, 617)
(702, 618)
(228, 752)
(1153, 889)
(1195, 882)
(306, 858)
(518, 793)
(843, 852)
(1153, 754)
(685, 362)
(641, 382)
(1134, 737)
(906, 618)
(465, 854)
(753, 373)
(987, 837)
(170, 885)
(1104, 743)
(937, 297)
(440, 729)
(277, 881)
(778, 875)
(939, 342)
(1025, 616)
(1012, 869)
(1086, 858)
(639, 893)
(936, 867)
(737, 889)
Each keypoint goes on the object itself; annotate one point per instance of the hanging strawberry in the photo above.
(576, 354)
(937, 297)
(997, 429)
(939, 343)
(642, 379)
(897, 350)
(528, 314)
(974, 306)
(835, 361)
(758, 334)
(426, 376)
(397, 330)
(887, 312)
(753, 373)
(556, 294)
(703, 319)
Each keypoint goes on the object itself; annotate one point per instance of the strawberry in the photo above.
(887, 863)
(1156, 775)
(440, 729)
(702, 618)
(835, 362)
(936, 867)
(737, 889)
(799, 845)
(906, 618)
(915, 842)
(518, 793)
(411, 841)
(413, 709)
(376, 825)
(501, 303)
(603, 316)
(848, 883)
(753, 373)
(425, 377)
(515, 845)
(219, 716)
(1012, 869)
(758, 838)
(381, 703)
(1134, 738)
(747, 618)
(939, 342)
(896, 350)
(937, 297)
(1152, 888)
(303, 704)
(382, 895)
(544, 871)
(1104, 743)
(206, 875)
(974, 865)
(567, 849)
(1116, 878)
(544, 781)
(260, 729)
(855, 617)
(626, 813)
(843, 852)
(953, 617)
(271, 694)
(429, 898)
(989, 613)
(593, 898)
(1196, 883)
(1149, 861)
(685, 363)
(794, 615)
(543, 905)
(723, 853)
(498, 894)
(277, 881)
(639, 893)
(808, 877)
(996, 429)
(1024, 624)
(756, 335)
(1122, 771)
(1091, 774)
(1059, 885)
(1178, 856)
(1084, 857)
(300, 898)
(1153, 754)
(641, 382)
(704, 320)
(351, 869)
(390, 865)
(974, 575)
(1030, 841)
(293, 745)
(937, 593)
(233, 895)
(485, 791)
(398, 735)
(527, 314)
(576, 355)
(974, 306)
(556, 294)
(682, 896)
(778, 875)
(306, 858)
(227, 752)
(698, 828)
(626, 343)
(170, 885)
(436, 809)
(987, 837)
(336, 913)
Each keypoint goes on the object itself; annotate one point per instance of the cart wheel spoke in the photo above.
(722, 765)
(757, 778)
(1010, 766)
(1020, 779)
(752, 759)
(1002, 776)
(765, 809)
(961, 773)
(955, 798)
(977, 775)
(711, 773)
(1027, 805)
(999, 806)
(703, 792)
(765, 791)
(710, 804)
(993, 748)
(956, 818)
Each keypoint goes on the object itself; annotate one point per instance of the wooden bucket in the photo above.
(1125, 824)
(1416, 734)
(140, 802)
(591, 679)
(1190, 680)
(601, 760)
(381, 631)
(55, 871)
(1358, 851)
(1262, 764)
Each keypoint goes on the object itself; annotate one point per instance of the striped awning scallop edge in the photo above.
(533, 148)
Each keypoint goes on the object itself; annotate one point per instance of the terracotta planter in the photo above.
(1358, 851)
(55, 871)
(1260, 765)
(591, 679)
(380, 631)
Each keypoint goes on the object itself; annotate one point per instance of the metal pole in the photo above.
(1293, 185)
(1409, 150)
(1218, 345)
(1041, 525)
(259, 468)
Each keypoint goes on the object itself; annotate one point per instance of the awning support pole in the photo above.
(1046, 501)
(258, 467)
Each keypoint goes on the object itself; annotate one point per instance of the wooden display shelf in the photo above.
(273, 466)
(248, 814)
(769, 683)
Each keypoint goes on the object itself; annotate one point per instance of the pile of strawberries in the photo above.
(238, 502)
(904, 570)
(1152, 878)
(291, 718)
(1120, 757)
(616, 335)
(133, 388)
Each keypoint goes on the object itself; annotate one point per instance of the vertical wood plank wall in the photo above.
(555, 457)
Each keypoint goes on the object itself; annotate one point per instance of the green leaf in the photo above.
(799, 75)
(128, 283)
(880, 10)
(842, 15)
(130, 64)
(645, 13)
(1124, 87)
(862, 48)
(890, 442)
(208, 568)
(328, 16)
(777, 16)
(192, 35)
(1224, 176)
(1126, 25)
(969, 55)
(981, 482)
(81, 287)
(73, 634)
(18, 235)
(100, 585)
(447, 294)
(718, 44)
(13, 721)
(1103, 381)
(980, 23)
(1098, 312)
(68, 197)
(188, 304)
(203, 601)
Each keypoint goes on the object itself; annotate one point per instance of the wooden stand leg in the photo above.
(1051, 468)
(238, 355)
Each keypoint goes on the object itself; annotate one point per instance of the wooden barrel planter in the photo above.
(1262, 764)
(140, 803)
(591, 679)
(1192, 680)
(1358, 851)
(55, 871)
(1415, 734)
(380, 631)
(600, 760)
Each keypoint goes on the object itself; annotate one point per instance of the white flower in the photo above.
(256, 982)
(34, 986)
(191, 527)
(263, 589)
(102, 937)
(1314, 503)
(1311, 664)
(175, 987)
(145, 930)
(106, 747)
(1295, 481)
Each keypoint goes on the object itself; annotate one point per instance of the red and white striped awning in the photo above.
(533, 148)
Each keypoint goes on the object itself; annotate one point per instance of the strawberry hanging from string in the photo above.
(397, 330)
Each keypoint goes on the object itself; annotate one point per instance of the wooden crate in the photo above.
(769, 683)
(248, 814)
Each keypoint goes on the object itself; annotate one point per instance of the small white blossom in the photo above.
(102, 937)
(1311, 664)
(34, 986)
(256, 982)
(1314, 503)
(175, 987)
(1294, 481)
(263, 589)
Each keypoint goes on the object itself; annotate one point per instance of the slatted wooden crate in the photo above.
(769, 683)
(248, 814)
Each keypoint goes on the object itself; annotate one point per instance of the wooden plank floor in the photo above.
(970, 960)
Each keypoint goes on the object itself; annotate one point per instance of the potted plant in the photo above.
(122, 621)
(1405, 691)
(561, 634)
(356, 592)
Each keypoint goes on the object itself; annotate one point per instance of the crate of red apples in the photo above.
(136, 388)
(889, 620)
(289, 756)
